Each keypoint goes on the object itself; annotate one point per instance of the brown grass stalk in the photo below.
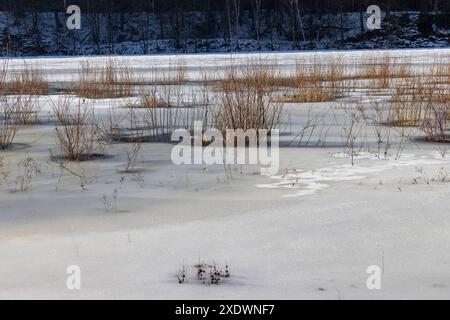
(111, 80)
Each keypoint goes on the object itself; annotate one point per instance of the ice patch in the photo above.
(356, 155)
(311, 181)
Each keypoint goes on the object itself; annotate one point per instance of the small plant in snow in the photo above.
(214, 275)
(200, 273)
(28, 169)
(442, 175)
(3, 172)
(65, 165)
(423, 176)
(110, 203)
(205, 274)
(132, 156)
(181, 276)
(130, 167)
(443, 151)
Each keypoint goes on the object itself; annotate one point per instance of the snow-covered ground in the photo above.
(309, 232)
(66, 69)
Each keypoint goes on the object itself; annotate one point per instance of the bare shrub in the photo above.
(160, 123)
(156, 114)
(247, 100)
(315, 125)
(111, 125)
(8, 128)
(435, 123)
(8, 123)
(410, 98)
(111, 80)
(78, 133)
(20, 109)
(355, 130)
(382, 132)
(3, 172)
(27, 110)
(437, 114)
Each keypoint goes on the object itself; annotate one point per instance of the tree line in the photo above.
(35, 27)
(305, 6)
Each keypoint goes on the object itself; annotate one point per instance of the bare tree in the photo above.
(237, 6)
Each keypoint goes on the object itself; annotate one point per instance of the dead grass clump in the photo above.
(246, 100)
(78, 133)
(377, 67)
(150, 99)
(255, 74)
(207, 274)
(310, 92)
(437, 115)
(27, 81)
(438, 70)
(181, 75)
(320, 81)
(410, 98)
(18, 97)
(155, 115)
(382, 70)
(158, 124)
(435, 123)
(27, 110)
(110, 80)
(8, 123)
(3, 75)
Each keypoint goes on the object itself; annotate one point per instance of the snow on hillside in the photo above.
(137, 33)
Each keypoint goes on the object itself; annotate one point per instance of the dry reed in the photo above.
(111, 80)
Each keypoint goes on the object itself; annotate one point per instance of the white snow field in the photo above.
(65, 69)
(309, 232)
